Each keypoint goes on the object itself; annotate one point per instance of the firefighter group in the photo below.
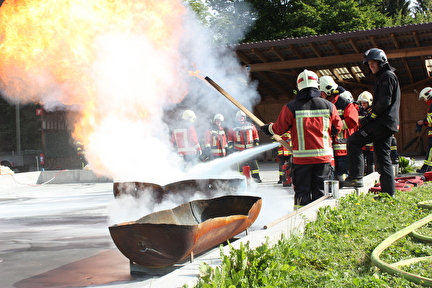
(218, 141)
(331, 135)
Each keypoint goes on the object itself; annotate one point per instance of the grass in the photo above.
(334, 250)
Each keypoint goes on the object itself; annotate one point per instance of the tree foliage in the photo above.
(278, 19)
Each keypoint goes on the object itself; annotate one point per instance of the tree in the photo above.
(398, 10)
(313, 17)
(278, 19)
(422, 11)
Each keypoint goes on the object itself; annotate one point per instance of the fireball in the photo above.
(115, 62)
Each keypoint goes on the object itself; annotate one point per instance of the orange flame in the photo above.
(196, 73)
(48, 50)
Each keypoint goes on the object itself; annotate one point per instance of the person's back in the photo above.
(311, 141)
(386, 101)
(311, 120)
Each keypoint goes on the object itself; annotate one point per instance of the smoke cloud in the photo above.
(124, 67)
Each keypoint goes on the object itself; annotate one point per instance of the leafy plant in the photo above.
(406, 165)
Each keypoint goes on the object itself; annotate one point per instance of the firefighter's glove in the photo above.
(418, 128)
(265, 130)
(207, 151)
(365, 120)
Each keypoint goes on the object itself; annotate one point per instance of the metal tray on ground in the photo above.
(167, 237)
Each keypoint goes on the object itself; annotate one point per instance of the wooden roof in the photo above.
(276, 64)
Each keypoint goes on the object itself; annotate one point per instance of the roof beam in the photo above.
(278, 53)
(273, 82)
(395, 42)
(243, 57)
(373, 40)
(419, 83)
(296, 51)
(337, 75)
(332, 60)
(354, 45)
(334, 47)
(260, 55)
(315, 48)
(416, 38)
(408, 70)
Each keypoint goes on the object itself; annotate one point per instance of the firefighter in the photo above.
(185, 140)
(81, 154)
(312, 121)
(347, 95)
(215, 139)
(284, 157)
(244, 135)
(365, 101)
(426, 96)
(349, 115)
(378, 126)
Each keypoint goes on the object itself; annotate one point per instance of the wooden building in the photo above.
(276, 64)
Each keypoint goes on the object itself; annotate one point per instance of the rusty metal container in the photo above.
(167, 237)
(207, 187)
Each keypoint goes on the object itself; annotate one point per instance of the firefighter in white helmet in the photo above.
(347, 95)
(215, 139)
(244, 135)
(348, 112)
(312, 121)
(365, 108)
(184, 139)
(426, 96)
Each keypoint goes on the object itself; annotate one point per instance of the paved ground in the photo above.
(56, 235)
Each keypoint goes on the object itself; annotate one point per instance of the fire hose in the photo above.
(394, 268)
(246, 111)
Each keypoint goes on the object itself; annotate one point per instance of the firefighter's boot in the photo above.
(281, 179)
(423, 169)
(287, 181)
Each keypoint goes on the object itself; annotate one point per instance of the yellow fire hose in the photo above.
(394, 268)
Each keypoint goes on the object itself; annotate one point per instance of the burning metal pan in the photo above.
(207, 187)
(167, 237)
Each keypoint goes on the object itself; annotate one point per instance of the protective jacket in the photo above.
(312, 121)
(216, 140)
(363, 113)
(386, 100)
(349, 116)
(243, 136)
(281, 150)
(185, 139)
(428, 120)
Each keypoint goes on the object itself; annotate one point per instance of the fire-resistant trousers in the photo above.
(381, 138)
(308, 181)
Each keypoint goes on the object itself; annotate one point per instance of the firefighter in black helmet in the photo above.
(378, 126)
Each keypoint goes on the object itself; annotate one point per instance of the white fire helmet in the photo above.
(328, 85)
(189, 115)
(218, 117)
(307, 79)
(365, 96)
(240, 114)
(425, 94)
(347, 95)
